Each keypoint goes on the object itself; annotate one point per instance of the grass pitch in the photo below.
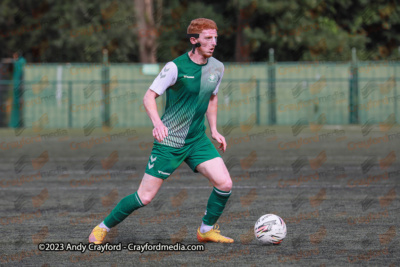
(335, 187)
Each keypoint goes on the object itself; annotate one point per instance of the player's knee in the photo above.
(226, 185)
(146, 199)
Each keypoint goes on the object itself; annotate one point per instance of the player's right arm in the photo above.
(162, 82)
(149, 102)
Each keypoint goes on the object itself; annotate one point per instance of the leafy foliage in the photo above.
(78, 30)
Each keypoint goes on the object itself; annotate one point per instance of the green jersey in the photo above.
(189, 87)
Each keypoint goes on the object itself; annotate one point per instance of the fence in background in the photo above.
(77, 95)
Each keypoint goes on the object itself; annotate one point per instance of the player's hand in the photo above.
(160, 132)
(220, 139)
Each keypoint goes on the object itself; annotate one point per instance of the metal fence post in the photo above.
(70, 104)
(271, 88)
(105, 77)
(258, 102)
(395, 91)
(353, 94)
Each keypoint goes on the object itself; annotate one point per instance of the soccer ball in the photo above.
(270, 229)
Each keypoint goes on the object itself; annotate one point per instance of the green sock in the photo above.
(215, 206)
(124, 208)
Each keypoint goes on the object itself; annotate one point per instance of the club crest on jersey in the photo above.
(212, 78)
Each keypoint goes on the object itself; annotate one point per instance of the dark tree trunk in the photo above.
(146, 30)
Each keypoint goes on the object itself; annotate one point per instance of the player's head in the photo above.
(203, 36)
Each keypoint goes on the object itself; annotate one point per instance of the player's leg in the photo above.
(204, 158)
(217, 173)
(162, 163)
(144, 195)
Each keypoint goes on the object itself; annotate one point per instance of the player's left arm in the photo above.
(211, 114)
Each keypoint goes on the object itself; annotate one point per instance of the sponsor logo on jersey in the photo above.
(189, 77)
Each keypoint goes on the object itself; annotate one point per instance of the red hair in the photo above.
(198, 25)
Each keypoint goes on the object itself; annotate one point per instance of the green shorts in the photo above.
(164, 160)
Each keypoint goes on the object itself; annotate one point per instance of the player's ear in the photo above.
(193, 40)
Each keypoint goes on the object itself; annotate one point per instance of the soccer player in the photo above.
(191, 83)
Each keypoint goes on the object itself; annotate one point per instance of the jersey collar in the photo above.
(195, 62)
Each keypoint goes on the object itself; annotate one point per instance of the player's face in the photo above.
(208, 41)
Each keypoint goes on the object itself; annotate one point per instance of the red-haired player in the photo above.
(191, 83)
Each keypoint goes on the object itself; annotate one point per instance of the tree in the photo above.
(68, 31)
(155, 30)
(147, 26)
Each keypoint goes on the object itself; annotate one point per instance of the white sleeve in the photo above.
(219, 82)
(165, 79)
